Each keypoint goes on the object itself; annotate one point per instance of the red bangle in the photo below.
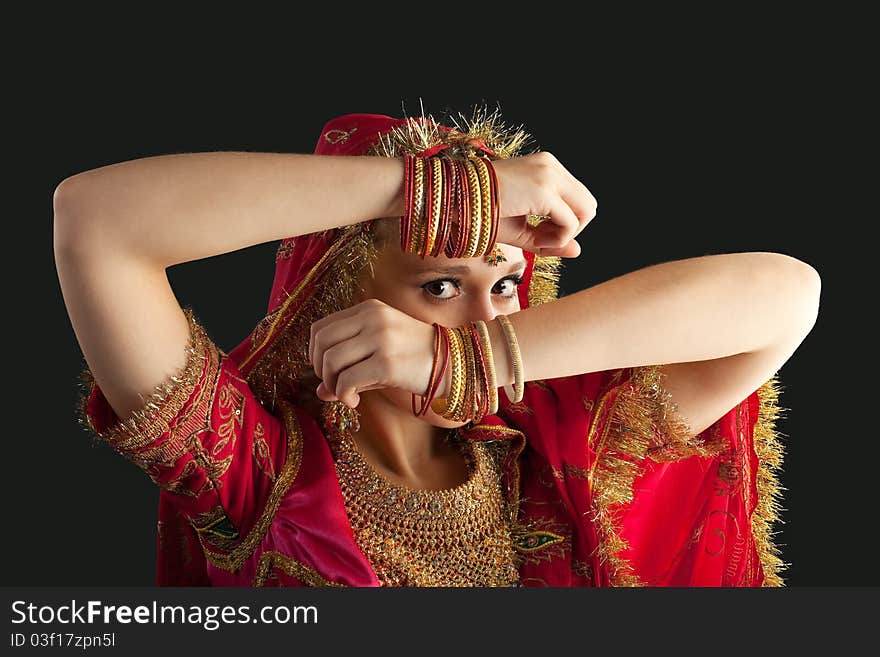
(446, 214)
(406, 218)
(464, 211)
(441, 343)
(496, 209)
(433, 371)
(443, 368)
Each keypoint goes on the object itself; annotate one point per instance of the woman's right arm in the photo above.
(117, 228)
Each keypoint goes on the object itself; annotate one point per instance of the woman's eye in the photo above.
(439, 289)
(447, 289)
(507, 287)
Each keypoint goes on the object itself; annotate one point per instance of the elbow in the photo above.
(71, 217)
(801, 285)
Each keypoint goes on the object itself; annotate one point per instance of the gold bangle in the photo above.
(476, 217)
(516, 395)
(471, 373)
(418, 204)
(449, 406)
(486, 344)
(485, 206)
(432, 223)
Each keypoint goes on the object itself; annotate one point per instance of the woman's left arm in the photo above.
(720, 326)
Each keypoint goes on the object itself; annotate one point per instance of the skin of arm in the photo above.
(720, 325)
(723, 323)
(117, 228)
(171, 209)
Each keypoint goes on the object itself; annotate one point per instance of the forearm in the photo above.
(176, 208)
(686, 310)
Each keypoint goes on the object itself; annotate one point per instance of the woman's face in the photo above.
(449, 291)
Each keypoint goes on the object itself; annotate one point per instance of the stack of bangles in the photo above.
(450, 207)
(467, 353)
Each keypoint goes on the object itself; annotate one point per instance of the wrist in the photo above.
(391, 179)
(500, 354)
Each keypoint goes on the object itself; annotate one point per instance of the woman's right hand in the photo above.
(538, 184)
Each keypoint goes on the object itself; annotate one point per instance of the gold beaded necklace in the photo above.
(451, 537)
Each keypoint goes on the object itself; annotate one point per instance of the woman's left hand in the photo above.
(368, 346)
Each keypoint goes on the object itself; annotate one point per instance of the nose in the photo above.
(484, 308)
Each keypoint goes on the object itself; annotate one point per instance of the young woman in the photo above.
(359, 436)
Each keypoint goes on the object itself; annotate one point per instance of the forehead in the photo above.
(412, 264)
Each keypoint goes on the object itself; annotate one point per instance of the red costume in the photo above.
(607, 486)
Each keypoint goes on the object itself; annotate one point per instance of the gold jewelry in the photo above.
(485, 205)
(457, 536)
(341, 416)
(433, 222)
(449, 406)
(470, 395)
(416, 234)
(468, 377)
(495, 256)
(475, 208)
(486, 344)
(516, 394)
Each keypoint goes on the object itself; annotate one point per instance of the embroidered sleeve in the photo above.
(633, 404)
(206, 441)
(723, 512)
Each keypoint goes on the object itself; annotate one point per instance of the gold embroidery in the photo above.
(272, 559)
(215, 527)
(285, 249)
(231, 404)
(261, 453)
(339, 136)
(541, 539)
(538, 383)
(179, 484)
(148, 423)
(576, 472)
(520, 407)
(232, 560)
(582, 569)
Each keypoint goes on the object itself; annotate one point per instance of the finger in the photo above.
(582, 203)
(332, 318)
(328, 337)
(342, 356)
(323, 393)
(367, 374)
(559, 230)
(570, 250)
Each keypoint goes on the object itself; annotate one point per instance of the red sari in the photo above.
(606, 486)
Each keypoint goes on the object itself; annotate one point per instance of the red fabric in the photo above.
(688, 523)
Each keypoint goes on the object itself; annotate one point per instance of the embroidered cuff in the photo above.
(178, 400)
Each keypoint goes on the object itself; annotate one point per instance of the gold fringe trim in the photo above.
(770, 452)
(147, 423)
(643, 423)
(306, 574)
(422, 132)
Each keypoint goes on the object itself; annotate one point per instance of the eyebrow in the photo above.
(464, 269)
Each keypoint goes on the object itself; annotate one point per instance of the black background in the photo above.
(744, 134)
